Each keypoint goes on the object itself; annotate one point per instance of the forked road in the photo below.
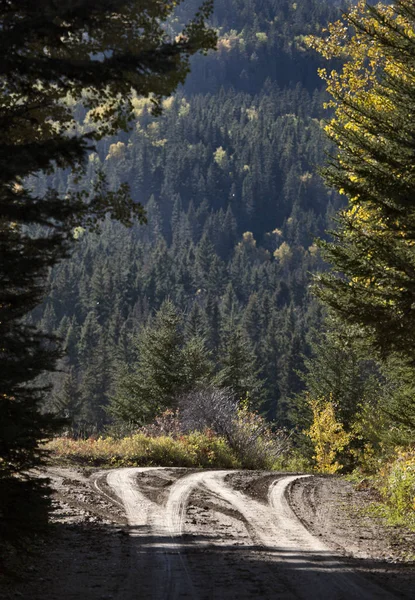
(195, 536)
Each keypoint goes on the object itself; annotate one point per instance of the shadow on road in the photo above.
(95, 561)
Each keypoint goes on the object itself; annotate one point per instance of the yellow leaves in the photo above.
(184, 108)
(327, 434)
(368, 47)
(140, 105)
(192, 450)
(283, 253)
(220, 157)
(248, 239)
(261, 37)
(78, 232)
(116, 151)
(159, 143)
(252, 114)
(168, 103)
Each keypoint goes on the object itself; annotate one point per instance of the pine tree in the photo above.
(372, 283)
(47, 64)
(67, 403)
(159, 375)
(338, 370)
(238, 369)
(198, 367)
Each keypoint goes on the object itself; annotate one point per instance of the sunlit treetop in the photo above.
(372, 89)
(103, 53)
(376, 46)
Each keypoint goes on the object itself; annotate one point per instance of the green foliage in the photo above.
(399, 488)
(399, 403)
(396, 483)
(76, 56)
(372, 94)
(207, 226)
(339, 368)
(238, 370)
(167, 366)
(255, 443)
(249, 443)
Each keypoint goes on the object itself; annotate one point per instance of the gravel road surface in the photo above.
(171, 533)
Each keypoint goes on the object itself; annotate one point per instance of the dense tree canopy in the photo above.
(226, 177)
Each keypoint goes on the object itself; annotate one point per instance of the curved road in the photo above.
(201, 538)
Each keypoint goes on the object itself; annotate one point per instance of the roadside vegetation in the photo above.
(192, 450)
(195, 341)
(359, 398)
(209, 428)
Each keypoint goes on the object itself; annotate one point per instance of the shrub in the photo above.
(168, 423)
(328, 436)
(252, 439)
(210, 429)
(254, 442)
(194, 450)
(397, 486)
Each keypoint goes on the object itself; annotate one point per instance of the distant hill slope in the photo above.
(228, 176)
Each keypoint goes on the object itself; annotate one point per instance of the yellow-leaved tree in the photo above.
(327, 435)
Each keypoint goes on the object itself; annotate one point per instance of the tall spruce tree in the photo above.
(373, 283)
(167, 367)
(238, 368)
(55, 54)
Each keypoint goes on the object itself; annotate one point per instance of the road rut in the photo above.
(194, 536)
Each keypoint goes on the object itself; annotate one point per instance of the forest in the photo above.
(227, 176)
(264, 250)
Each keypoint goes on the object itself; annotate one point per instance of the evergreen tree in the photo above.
(198, 367)
(373, 94)
(167, 367)
(47, 64)
(67, 403)
(238, 370)
(266, 129)
(158, 376)
(338, 370)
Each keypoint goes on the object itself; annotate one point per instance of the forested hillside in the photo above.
(227, 175)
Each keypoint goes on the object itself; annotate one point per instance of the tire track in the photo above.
(300, 565)
(138, 508)
(157, 553)
(318, 571)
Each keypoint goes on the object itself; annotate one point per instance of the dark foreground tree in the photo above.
(54, 55)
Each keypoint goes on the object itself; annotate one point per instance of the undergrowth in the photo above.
(396, 484)
(393, 486)
(192, 450)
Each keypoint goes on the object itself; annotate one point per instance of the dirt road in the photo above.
(175, 566)
(164, 533)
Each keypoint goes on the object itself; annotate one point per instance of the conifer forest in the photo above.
(227, 177)
(208, 217)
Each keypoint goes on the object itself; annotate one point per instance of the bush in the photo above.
(328, 436)
(210, 429)
(397, 486)
(251, 438)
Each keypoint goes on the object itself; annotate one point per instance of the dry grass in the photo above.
(192, 450)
